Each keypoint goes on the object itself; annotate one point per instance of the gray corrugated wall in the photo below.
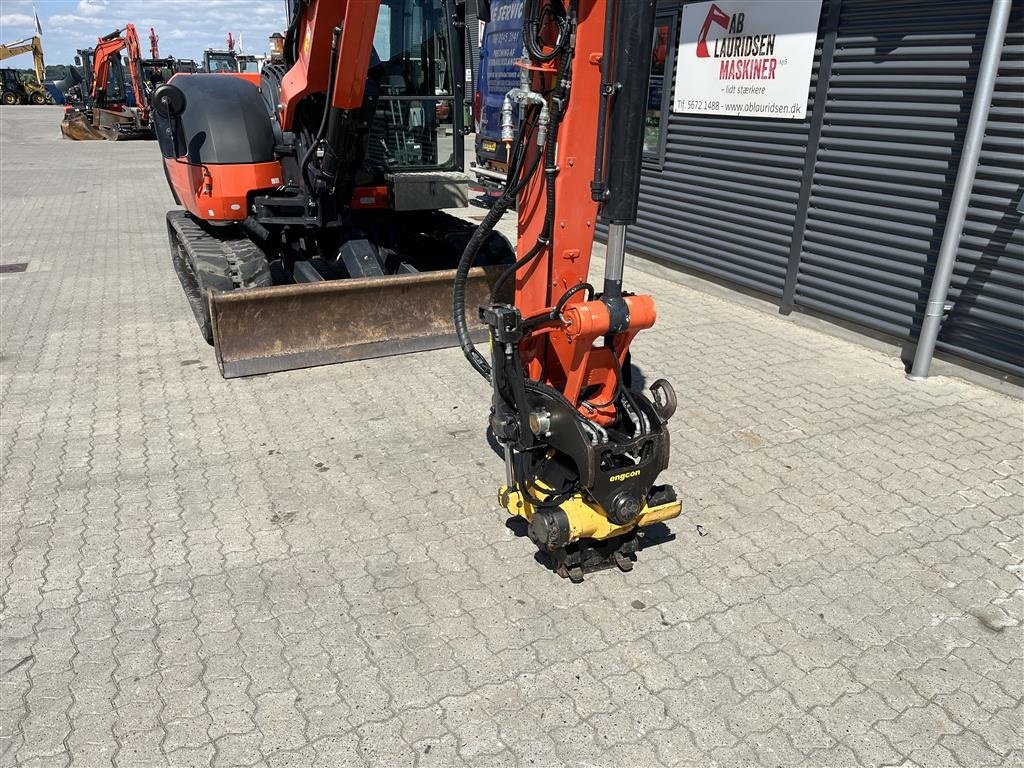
(899, 99)
(986, 323)
(900, 88)
(725, 201)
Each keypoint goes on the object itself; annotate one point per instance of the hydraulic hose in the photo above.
(469, 255)
(547, 230)
(331, 78)
(513, 185)
(532, 25)
(480, 365)
(547, 317)
(548, 152)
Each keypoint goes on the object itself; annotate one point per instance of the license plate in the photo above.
(489, 146)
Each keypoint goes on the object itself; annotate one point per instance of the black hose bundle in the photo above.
(324, 117)
(480, 365)
(513, 186)
(517, 178)
(534, 21)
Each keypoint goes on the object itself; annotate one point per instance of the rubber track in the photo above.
(214, 259)
(456, 232)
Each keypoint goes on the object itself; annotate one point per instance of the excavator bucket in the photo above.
(77, 127)
(280, 328)
(121, 126)
(105, 125)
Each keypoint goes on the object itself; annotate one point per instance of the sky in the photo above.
(185, 27)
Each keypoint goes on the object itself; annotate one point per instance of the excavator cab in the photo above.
(115, 91)
(249, 63)
(313, 231)
(218, 62)
(413, 123)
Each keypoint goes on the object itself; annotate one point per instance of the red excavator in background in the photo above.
(104, 110)
(325, 198)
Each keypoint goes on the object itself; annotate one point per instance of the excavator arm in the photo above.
(7, 50)
(582, 447)
(334, 43)
(37, 59)
(107, 48)
(131, 38)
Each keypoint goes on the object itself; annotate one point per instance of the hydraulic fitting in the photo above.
(521, 96)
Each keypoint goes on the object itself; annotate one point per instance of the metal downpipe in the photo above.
(935, 308)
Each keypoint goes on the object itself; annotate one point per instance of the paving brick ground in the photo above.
(310, 567)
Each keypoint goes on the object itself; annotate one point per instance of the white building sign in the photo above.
(749, 58)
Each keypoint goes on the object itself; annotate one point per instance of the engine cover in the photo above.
(225, 122)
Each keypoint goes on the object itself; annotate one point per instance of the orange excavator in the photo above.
(313, 229)
(313, 237)
(105, 110)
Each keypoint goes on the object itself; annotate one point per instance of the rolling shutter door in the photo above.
(897, 107)
(987, 292)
